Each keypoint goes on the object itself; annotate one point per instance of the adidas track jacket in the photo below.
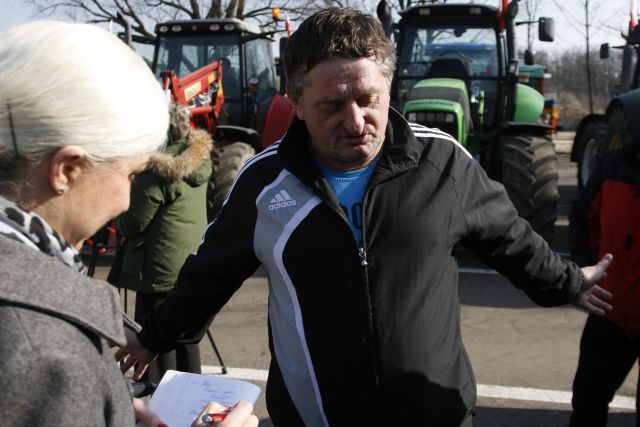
(362, 336)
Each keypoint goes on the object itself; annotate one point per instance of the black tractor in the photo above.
(598, 133)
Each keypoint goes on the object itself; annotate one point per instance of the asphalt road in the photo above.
(524, 356)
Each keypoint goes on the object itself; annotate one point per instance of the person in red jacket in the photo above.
(606, 219)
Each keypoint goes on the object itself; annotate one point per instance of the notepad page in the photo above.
(181, 396)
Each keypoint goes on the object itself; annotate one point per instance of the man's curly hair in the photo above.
(336, 33)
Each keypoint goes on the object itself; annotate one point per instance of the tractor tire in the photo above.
(530, 176)
(226, 163)
(618, 129)
(592, 146)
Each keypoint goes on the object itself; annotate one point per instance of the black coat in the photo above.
(362, 336)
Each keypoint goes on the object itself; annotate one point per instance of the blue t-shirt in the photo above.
(349, 187)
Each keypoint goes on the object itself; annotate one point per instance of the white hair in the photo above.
(76, 84)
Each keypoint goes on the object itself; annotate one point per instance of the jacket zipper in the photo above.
(363, 257)
(369, 312)
(362, 254)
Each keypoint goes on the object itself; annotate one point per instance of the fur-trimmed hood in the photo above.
(184, 159)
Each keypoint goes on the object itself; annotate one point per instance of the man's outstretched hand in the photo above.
(592, 297)
(132, 354)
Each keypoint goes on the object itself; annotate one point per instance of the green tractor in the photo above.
(598, 133)
(458, 72)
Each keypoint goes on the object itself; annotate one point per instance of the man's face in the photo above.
(344, 104)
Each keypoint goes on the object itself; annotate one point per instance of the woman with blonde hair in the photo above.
(80, 115)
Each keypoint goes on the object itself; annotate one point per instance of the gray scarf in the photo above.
(30, 229)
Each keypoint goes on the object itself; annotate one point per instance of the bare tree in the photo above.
(531, 11)
(144, 14)
(569, 81)
(593, 18)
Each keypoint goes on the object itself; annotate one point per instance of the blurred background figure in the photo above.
(605, 219)
(163, 225)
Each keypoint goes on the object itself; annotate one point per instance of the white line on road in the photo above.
(484, 390)
(542, 395)
(238, 373)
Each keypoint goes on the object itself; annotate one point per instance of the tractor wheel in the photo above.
(618, 129)
(529, 174)
(226, 163)
(592, 146)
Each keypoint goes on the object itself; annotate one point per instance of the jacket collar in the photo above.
(183, 158)
(32, 279)
(400, 152)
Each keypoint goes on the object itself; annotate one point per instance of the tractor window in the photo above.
(473, 49)
(260, 65)
(186, 54)
(476, 47)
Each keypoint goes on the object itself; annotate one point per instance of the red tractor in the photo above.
(223, 70)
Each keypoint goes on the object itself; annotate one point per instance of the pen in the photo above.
(216, 417)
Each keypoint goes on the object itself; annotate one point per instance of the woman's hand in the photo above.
(239, 416)
(145, 415)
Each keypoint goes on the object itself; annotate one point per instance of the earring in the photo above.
(61, 190)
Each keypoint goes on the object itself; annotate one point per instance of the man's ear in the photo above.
(66, 166)
(298, 107)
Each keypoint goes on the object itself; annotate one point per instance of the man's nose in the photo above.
(354, 119)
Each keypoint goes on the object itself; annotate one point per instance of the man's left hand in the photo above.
(592, 297)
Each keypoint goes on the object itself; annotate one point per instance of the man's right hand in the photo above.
(132, 354)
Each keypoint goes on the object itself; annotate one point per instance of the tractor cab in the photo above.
(249, 78)
(242, 108)
(471, 43)
(458, 72)
(435, 42)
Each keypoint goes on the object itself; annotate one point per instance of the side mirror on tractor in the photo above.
(384, 15)
(546, 29)
(528, 57)
(604, 50)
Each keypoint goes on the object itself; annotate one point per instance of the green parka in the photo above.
(166, 218)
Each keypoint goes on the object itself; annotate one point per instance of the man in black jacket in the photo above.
(354, 214)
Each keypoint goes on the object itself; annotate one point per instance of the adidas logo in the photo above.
(282, 199)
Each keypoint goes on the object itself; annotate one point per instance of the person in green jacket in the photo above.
(164, 224)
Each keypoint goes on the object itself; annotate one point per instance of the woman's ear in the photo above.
(66, 166)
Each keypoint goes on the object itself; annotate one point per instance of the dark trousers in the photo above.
(607, 355)
(184, 358)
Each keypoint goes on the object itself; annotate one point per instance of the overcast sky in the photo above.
(609, 18)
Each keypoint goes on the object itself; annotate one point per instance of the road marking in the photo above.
(484, 390)
(542, 395)
(238, 373)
